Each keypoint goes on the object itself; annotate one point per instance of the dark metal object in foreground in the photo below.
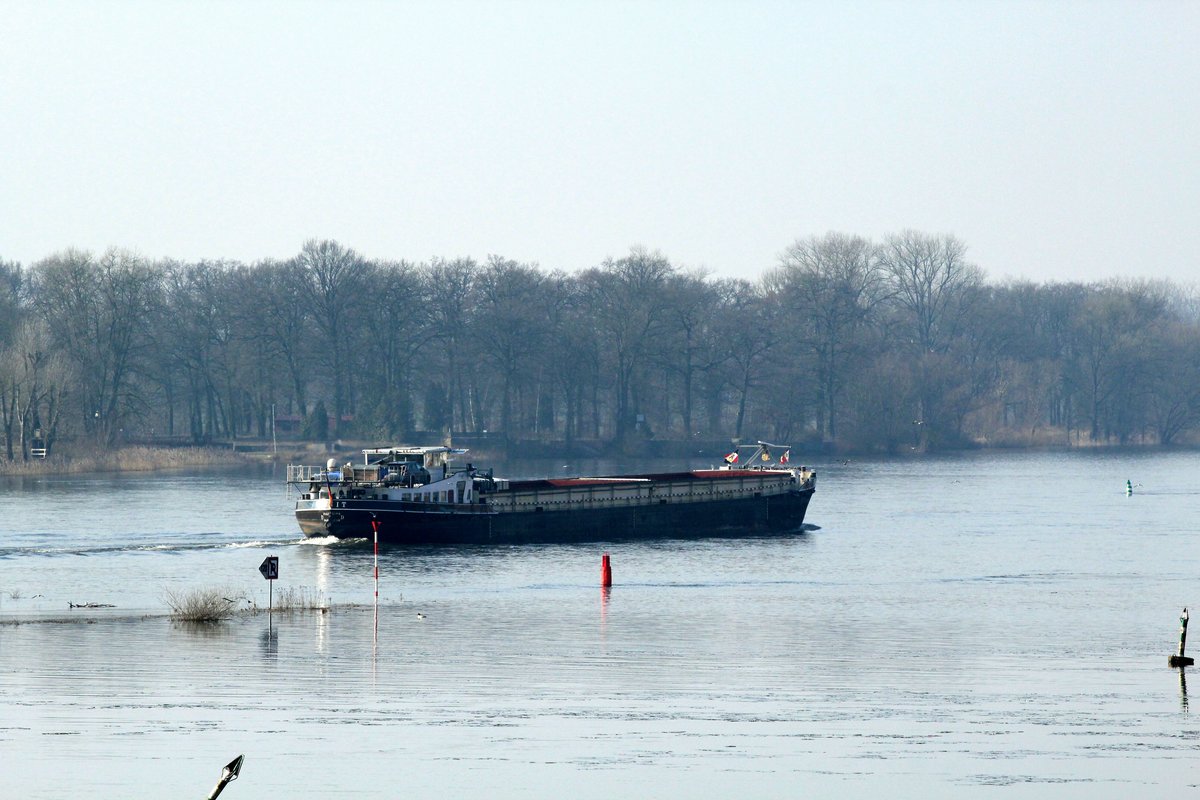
(228, 775)
(1180, 660)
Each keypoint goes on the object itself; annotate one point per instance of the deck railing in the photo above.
(301, 473)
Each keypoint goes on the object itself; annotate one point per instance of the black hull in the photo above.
(413, 523)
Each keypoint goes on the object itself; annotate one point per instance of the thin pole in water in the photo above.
(375, 528)
(1181, 660)
(270, 570)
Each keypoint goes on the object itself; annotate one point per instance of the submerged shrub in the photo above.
(202, 605)
(216, 604)
(300, 598)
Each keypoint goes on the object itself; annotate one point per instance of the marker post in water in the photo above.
(1180, 660)
(375, 528)
(270, 570)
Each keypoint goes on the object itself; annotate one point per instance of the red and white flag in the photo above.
(732, 457)
(786, 457)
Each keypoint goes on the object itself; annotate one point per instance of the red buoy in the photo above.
(605, 571)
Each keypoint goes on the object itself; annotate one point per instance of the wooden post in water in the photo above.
(1180, 660)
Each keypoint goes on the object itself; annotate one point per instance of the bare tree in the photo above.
(451, 291)
(694, 308)
(749, 336)
(97, 311)
(628, 302)
(830, 286)
(33, 381)
(396, 314)
(513, 320)
(931, 280)
(334, 280)
(574, 356)
(933, 289)
(281, 320)
(1110, 332)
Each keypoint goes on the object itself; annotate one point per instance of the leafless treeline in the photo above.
(862, 345)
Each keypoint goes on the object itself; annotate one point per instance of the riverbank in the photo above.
(484, 450)
(126, 459)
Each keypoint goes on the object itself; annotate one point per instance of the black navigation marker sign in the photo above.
(270, 570)
(269, 567)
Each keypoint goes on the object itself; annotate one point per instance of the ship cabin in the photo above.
(405, 474)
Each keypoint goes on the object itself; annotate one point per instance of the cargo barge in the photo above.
(415, 495)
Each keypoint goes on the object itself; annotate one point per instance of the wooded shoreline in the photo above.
(846, 345)
(150, 459)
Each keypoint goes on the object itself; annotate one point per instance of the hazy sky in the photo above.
(1058, 140)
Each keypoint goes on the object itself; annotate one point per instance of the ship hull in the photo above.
(402, 523)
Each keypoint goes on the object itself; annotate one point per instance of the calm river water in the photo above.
(989, 625)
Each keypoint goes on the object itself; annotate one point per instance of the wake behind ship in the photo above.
(414, 495)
